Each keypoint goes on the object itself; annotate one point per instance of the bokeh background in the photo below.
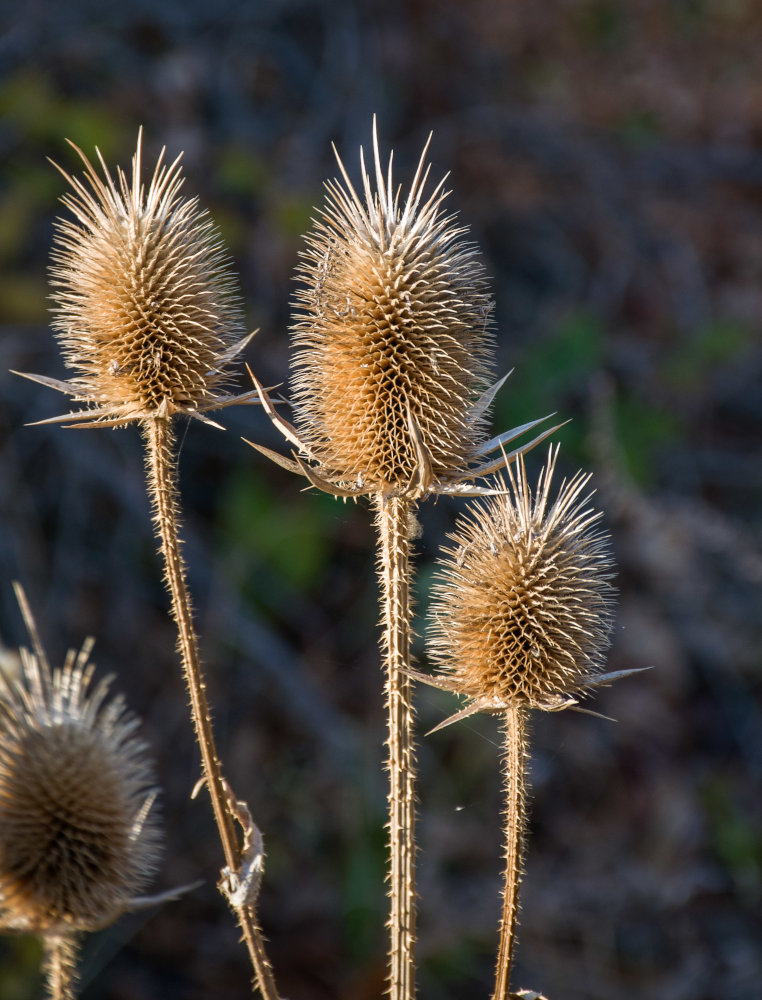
(607, 156)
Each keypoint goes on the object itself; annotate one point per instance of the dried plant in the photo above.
(522, 614)
(392, 341)
(144, 301)
(392, 351)
(523, 602)
(79, 838)
(147, 317)
(393, 346)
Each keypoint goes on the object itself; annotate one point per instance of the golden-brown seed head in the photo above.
(523, 604)
(144, 302)
(392, 328)
(77, 839)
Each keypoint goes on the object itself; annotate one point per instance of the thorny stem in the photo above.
(514, 732)
(162, 478)
(392, 514)
(60, 966)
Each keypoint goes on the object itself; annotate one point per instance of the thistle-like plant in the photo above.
(147, 317)
(79, 838)
(521, 618)
(144, 302)
(392, 352)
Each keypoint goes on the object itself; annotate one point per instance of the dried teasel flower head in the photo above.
(522, 608)
(392, 336)
(78, 837)
(392, 347)
(144, 302)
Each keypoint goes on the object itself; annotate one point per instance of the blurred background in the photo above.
(607, 157)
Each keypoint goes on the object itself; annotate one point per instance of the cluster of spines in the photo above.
(78, 836)
(392, 337)
(144, 301)
(523, 604)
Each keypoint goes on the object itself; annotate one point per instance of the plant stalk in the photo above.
(392, 516)
(514, 757)
(60, 966)
(162, 479)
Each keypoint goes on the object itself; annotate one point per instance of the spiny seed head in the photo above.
(144, 302)
(392, 329)
(77, 838)
(523, 604)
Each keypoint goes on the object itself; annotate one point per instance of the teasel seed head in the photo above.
(144, 302)
(78, 836)
(522, 607)
(392, 335)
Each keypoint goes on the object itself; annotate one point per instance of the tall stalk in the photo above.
(392, 516)
(161, 464)
(60, 966)
(514, 814)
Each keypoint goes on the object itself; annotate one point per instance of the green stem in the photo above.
(392, 516)
(162, 478)
(514, 733)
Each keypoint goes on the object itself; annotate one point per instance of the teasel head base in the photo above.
(422, 482)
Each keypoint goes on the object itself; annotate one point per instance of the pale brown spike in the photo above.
(31, 625)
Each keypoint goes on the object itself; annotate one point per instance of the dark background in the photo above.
(608, 159)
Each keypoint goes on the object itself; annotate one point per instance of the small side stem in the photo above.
(60, 966)
(162, 478)
(392, 515)
(514, 757)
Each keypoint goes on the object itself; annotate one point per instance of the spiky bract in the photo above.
(78, 839)
(523, 604)
(144, 302)
(392, 335)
